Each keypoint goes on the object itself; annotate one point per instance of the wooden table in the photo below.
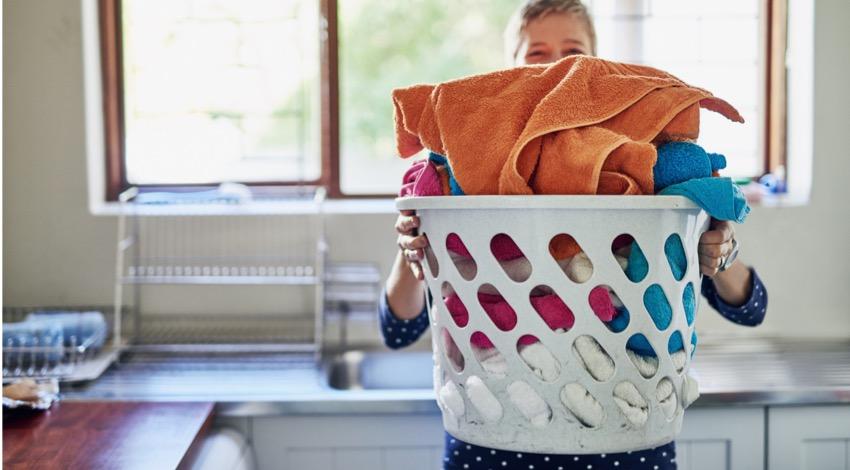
(105, 435)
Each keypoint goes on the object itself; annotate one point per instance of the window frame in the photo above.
(109, 19)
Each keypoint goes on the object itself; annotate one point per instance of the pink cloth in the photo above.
(421, 179)
(600, 303)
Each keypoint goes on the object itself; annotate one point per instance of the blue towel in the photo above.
(453, 184)
(720, 197)
(675, 253)
(678, 162)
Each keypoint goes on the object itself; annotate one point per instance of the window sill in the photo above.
(331, 206)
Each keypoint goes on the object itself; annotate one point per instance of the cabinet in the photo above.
(730, 438)
(411, 442)
(809, 438)
(712, 439)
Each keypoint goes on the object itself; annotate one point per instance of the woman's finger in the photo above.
(709, 261)
(414, 255)
(715, 250)
(707, 270)
(716, 237)
(409, 242)
(405, 224)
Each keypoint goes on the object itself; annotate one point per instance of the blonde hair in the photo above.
(531, 10)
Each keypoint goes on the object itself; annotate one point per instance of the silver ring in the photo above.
(726, 261)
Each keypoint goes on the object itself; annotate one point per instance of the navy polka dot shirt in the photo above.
(399, 333)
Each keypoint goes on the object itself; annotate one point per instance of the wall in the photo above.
(56, 252)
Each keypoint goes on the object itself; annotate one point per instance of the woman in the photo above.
(544, 31)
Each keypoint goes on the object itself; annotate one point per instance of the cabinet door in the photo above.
(809, 438)
(722, 439)
(411, 442)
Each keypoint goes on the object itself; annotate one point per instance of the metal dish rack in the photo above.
(260, 243)
(78, 359)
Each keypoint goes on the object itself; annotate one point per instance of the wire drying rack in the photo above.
(72, 359)
(214, 243)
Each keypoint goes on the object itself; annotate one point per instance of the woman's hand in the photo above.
(412, 246)
(715, 246)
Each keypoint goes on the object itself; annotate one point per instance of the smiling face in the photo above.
(553, 37)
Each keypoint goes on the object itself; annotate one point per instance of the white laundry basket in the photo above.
(532, 221)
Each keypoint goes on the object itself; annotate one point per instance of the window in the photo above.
(282, 92)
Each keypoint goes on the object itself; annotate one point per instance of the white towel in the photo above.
(594, 359)
(529, 403)
(646, 365)
(541, 361)
(582, 404)
(483, 399)
(665, 393)
(631, 403)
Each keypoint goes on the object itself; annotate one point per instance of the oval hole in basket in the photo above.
(665, 393)
(689, 302)
(431, 259)
(658, 307)
(642, 355)
(581, 404)
(501, 313)
(483, 400)
(486, 353)
(693, 343)
(455, 306)
(594, 358)
(530, 404)
(676, 348)
(461, 257)
(554, 312)
(510, 257)
(453, 352)
(630, 257)
(572, 260)
(607, 306)
(631, 403)
(538, 358)
(675, 253)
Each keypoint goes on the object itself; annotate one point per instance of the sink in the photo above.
(379, 370)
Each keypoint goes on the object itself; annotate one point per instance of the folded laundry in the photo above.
(604, 115)
(596, 111)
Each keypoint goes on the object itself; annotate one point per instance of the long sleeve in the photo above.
(751, 313)
(400, 333)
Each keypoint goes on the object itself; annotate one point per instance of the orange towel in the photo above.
(582, 125)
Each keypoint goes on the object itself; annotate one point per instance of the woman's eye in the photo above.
(535, 53)
(573, 52)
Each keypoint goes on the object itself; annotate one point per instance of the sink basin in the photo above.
(380, 370)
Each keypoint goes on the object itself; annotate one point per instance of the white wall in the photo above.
(55, 252)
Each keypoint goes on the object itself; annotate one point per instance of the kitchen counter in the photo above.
(736, 372)
(105, 435)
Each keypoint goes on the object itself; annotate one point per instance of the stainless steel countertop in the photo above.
(732, 373)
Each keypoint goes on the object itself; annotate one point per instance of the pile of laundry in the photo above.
(582, 125)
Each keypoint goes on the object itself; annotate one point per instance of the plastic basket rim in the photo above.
(595, 202)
